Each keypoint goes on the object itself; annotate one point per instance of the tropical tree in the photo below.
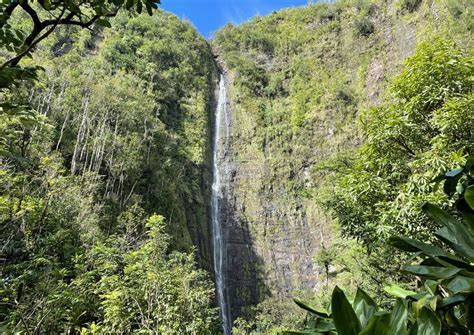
(44, 17)
(444, 303)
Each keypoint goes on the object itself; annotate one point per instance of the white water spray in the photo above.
(220, 142)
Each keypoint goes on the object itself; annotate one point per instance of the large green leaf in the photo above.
(451, 183)
(398, 318)
(345, 319)
(454, 232)
(364, 307)
(431, 286)
(428, 323)
(461, 284)
(398, 292)
(451, 301)
(378, 325)
(410, 245)
(468, 219)
(469, 196)
(436, 272)
(315, 310)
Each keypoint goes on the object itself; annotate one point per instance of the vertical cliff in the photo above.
(297, 80)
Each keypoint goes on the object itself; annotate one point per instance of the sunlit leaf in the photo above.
(377, 325)
(397, 291)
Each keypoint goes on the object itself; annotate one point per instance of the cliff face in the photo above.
(297, 80)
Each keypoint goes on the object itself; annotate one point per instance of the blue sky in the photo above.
(209, 15)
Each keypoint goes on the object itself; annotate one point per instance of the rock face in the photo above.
(271, 235)
(297, 80)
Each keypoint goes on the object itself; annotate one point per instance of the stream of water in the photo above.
(221, 139)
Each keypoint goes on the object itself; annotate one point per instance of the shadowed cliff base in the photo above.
(244, 271)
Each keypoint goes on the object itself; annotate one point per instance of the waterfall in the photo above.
(221, 140)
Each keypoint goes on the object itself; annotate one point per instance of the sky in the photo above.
(209, 15)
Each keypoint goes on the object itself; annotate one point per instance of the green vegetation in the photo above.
(39, 20)
(346, 117)
(310, 86)
(117, 129)
(427, 128)
(444, 301)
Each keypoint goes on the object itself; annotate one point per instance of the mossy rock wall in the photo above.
(297, 80)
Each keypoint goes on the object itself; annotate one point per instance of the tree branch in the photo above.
(32, 13)
(8, 12)
(402, 143)
(39, 26)
(68, 20)
(15, 60)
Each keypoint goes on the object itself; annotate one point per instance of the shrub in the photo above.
(411, 5)
(444, 302)
(364, 26)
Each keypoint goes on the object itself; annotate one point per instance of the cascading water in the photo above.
(220, 143)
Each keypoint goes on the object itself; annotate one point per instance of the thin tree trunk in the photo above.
(79, 136)
(62, 129)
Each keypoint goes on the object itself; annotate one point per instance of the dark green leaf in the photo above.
(454, 232)
(103, 23)
(304, 332)
(129, 4)
(318, 311)
(451, 301)
(149, 9)
(435, 272)
(345, 319)
(450, 184)
(469, 164)
(410, 245)
(324, 326)
(428, 323)
(468, 219)
(47, 4)
(431, 286)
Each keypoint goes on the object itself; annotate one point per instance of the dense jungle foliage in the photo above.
(353, 120)
(119, 131)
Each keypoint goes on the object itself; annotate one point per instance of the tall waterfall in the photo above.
(221, 140)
